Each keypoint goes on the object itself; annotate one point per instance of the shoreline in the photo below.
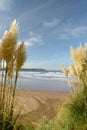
(43, 91)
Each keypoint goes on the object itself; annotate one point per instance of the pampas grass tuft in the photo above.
(10, 58)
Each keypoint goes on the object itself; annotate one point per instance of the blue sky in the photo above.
(48, 27)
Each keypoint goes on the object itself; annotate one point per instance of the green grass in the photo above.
(72, 116)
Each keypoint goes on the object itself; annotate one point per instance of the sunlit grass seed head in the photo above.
(72, 70)
(64, 70)
(8, 47)
(14, 29)
(5, 34)
(20, 56)
(11, 67)
(78, 55)
(9, 42)
(70, 84)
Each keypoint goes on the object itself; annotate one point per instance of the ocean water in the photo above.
(43, 80)
(53, 81)
(43, 75)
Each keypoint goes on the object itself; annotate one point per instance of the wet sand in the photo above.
(43, 84)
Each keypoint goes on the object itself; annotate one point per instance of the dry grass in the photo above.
(10, 56)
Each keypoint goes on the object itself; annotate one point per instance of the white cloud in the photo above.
(68, 30)
(34, 39)
(5, 5)
(76, 31)
(52, 23)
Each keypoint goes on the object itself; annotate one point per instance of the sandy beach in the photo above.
(37, 104)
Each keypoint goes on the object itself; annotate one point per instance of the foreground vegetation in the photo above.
(12, 57)
(73, 112)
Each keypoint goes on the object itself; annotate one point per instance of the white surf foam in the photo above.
(44, 75)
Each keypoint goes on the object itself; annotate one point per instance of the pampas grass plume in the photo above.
(20, 56)
(9, 42)
(64, 70)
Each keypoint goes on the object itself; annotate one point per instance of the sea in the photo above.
(46, 80)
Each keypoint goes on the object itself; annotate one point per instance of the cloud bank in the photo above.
(5, 5)
(52, 23)
(34, 39)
